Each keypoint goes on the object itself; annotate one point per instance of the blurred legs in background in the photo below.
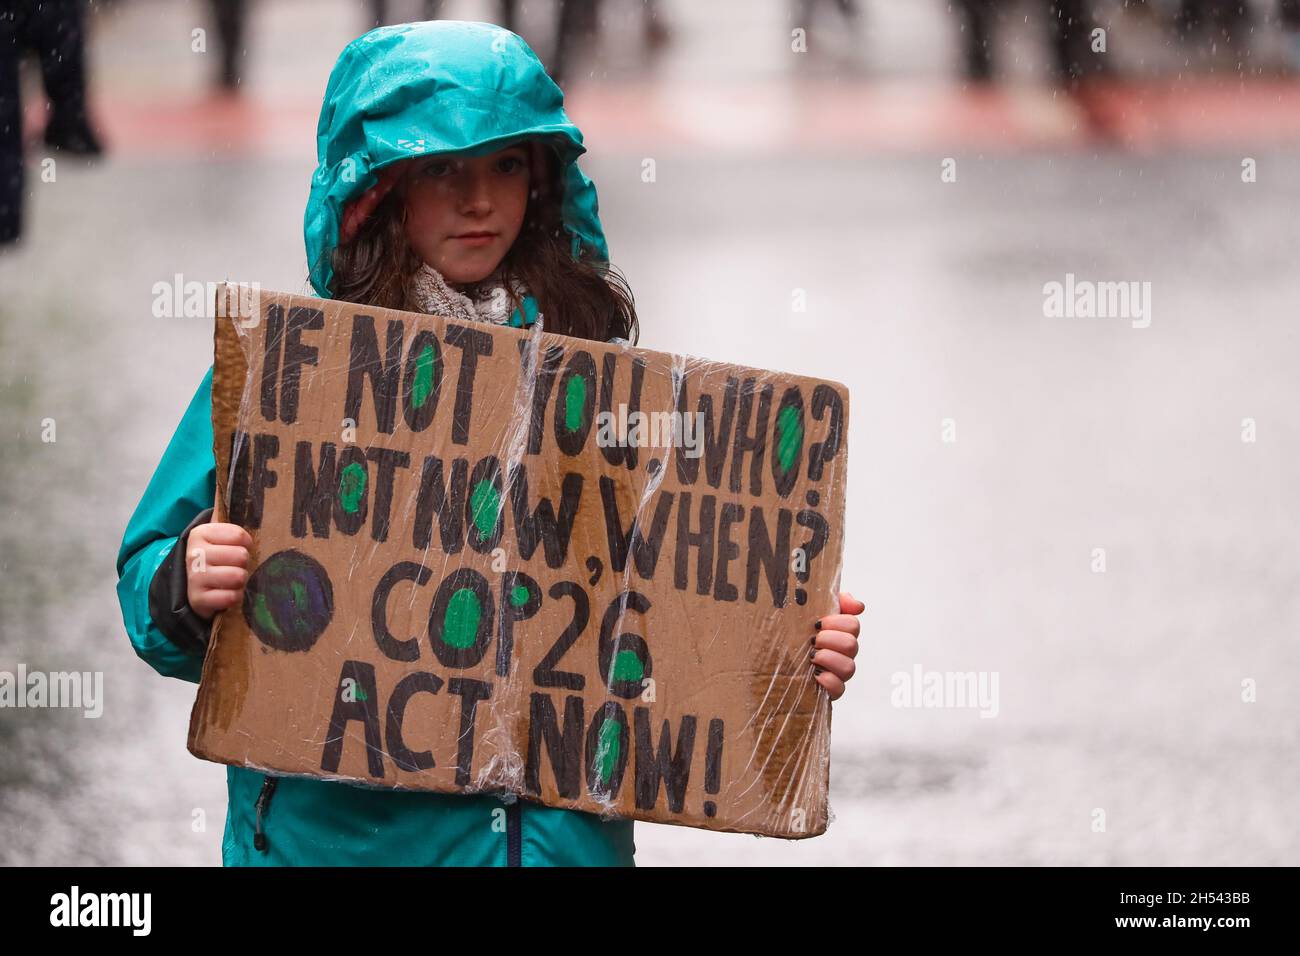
(1289, 15)
(804, 10)
(230, 16)
(1069, 33)
(575, 20)
(1070, 24)
(654, 30)
(432, 9)
(54, 30)
(977, 38)
(1227, 20)
(11, 132)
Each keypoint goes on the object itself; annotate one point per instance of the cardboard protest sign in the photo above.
(488, 559)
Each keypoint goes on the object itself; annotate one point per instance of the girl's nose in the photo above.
(476, 198)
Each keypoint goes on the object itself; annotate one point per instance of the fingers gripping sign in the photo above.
(835, 645)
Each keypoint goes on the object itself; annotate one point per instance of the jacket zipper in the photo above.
(262, 805)
(514, 834)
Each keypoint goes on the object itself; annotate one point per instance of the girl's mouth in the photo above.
(475, 238)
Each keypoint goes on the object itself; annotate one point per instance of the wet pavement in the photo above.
(1119, 691)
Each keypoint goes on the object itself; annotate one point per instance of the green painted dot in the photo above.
(352, 486)
(519, 595)
(263, 617)
(607, 750)
(575, 397)
(789, 430)
(460, 625)
(485, 505)
(627, 666)
(426, 367)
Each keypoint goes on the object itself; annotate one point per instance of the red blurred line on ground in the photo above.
(807, 115)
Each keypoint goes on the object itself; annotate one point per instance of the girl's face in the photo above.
(464, 213)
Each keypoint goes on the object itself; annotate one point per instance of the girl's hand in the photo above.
(216, 556)
(836, 644)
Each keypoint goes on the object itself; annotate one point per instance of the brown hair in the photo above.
(584, 298)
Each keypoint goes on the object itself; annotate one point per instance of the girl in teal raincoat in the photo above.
(447, 182)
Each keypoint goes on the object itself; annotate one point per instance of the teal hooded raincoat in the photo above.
(397, 93)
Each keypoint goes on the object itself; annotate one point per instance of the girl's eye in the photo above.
(510, 164)
(437, 169)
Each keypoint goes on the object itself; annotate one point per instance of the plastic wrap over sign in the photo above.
(497, 560)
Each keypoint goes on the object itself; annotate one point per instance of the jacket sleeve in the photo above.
(164, 630)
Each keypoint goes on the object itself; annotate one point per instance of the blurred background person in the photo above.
(381, 12)
(230, 16)
(1069, 25)
(576, 24)
(54, 31)
(805, 11)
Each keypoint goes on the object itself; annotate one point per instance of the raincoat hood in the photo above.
(418, 89)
